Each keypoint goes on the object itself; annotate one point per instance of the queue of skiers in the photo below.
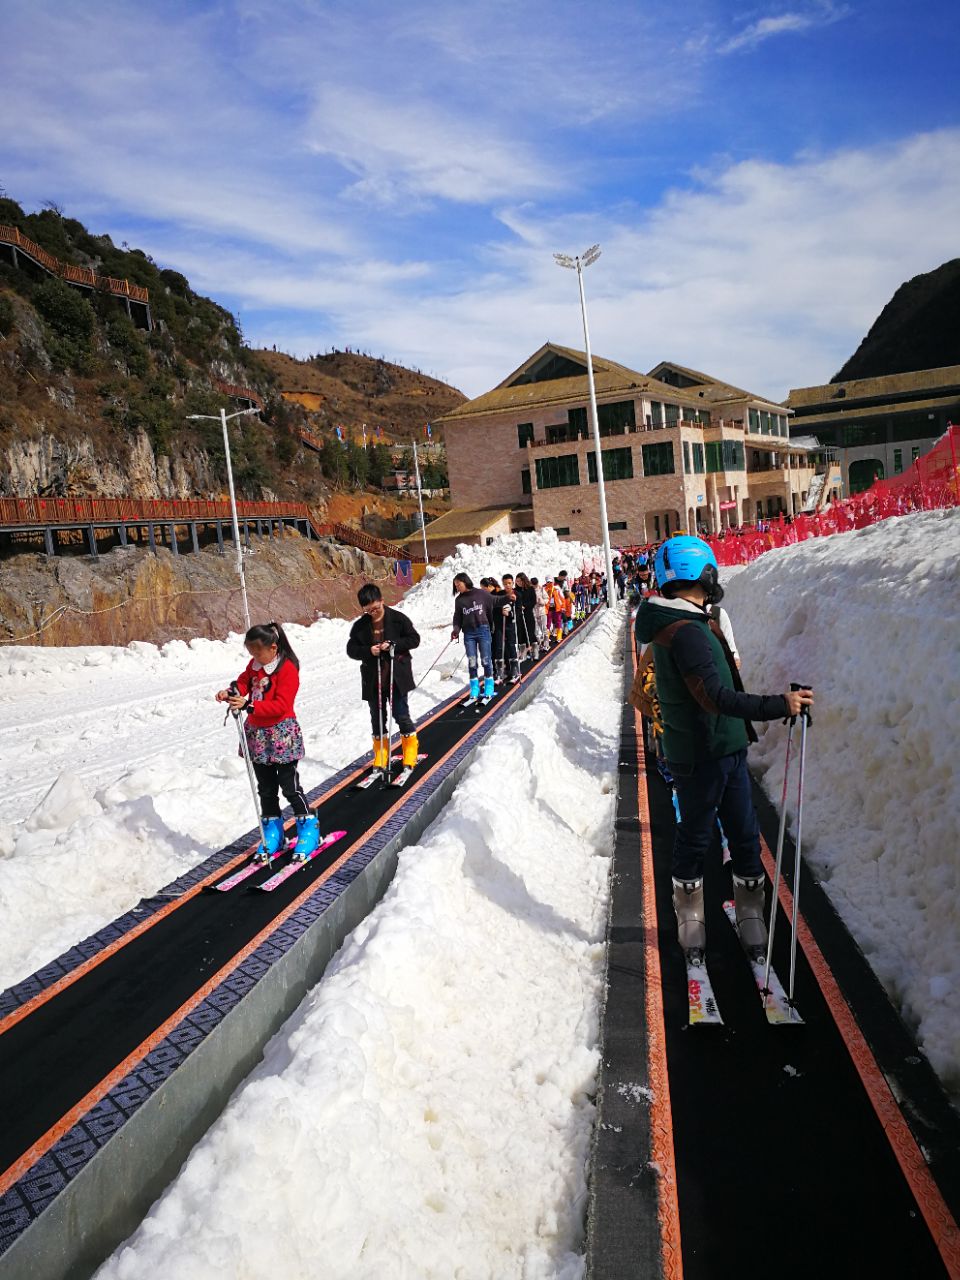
(502, 625)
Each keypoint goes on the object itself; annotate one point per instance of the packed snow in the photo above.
(120, 775)
(426, 1112)
(871, 620)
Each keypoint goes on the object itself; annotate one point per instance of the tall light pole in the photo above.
(423, 527)
(578, 263)
(223, 418)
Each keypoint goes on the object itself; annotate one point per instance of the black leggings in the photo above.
(274, 778)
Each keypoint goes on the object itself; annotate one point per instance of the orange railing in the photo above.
(66, 271)
(931, 483)
(239, 393)
(21, 512)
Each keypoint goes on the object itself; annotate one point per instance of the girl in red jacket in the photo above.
(266, 691)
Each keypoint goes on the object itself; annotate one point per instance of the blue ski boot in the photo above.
(308, 837)
(488, 688)
(474, 692)
(273, 830)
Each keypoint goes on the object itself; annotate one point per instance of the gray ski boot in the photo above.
(749, 903)
(691, 929)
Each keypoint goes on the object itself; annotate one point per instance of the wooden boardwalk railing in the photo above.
(73, 275)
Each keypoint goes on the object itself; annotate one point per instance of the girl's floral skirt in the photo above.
(275, 744)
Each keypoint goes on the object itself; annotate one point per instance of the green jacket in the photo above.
(706, 714)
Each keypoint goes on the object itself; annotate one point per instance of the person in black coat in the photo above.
(373, 636)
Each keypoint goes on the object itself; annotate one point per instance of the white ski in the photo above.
(702, 1004)
(776, 1004)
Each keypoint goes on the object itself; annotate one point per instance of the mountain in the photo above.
(347, 388)
(919, 328)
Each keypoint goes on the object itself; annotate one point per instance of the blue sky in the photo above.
(395, 177)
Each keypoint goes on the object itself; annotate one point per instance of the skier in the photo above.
(266, 690)
(554, 611)
(706, 730)
(527, 621)
(473, 614)
(385, 637)
(540, 615)
(505, 623)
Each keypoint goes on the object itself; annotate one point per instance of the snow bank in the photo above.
(426, 1111)
(871, 619)
(538, 555)
(145, 775)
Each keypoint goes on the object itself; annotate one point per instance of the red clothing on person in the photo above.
(272, 695)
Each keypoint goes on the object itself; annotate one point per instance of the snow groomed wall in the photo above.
(69, 1202)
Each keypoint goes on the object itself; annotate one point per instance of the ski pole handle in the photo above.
(804, 711)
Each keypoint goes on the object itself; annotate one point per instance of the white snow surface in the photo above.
(425, 1113)
(119, 774)
(871, 619)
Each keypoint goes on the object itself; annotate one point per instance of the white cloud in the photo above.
(790, 23)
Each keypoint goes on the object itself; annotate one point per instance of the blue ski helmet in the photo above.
(686, 559)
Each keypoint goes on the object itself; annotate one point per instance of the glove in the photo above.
(507, 611)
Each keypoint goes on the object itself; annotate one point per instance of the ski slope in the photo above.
(871, 619)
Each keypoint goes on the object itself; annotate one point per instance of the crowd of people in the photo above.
(501, 624)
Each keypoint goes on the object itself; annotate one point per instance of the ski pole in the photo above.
(379, 706)
(805, 722)
(450, 674)
(245, 752)
(779, 860)
(434, 663)
(390, 716)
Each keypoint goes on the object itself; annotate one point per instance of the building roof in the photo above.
(853, 413)
(461, 522)
(892, 384)
(706, 387)
(561, 384)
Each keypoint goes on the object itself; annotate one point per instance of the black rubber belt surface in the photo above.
(783, 1168)
(65, 1047)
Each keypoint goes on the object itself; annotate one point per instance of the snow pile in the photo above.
(426, 1111)
(147, 778)
(871, 620)
(538, 555)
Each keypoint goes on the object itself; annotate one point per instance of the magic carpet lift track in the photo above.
(117, 1057)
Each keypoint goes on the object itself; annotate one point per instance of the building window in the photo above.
(656, 413)
(524, 433)
(617, 465)
(686, 456)
(612, 419)
(658, 459)
(700, 415)
(672, 414)
(698, 459)
(725, 455)
(562, 531)
(897, 461)
(666, 523)
(555, 473)
(754, 420)
(525, 480)
(656, 528)
(915, 453)
(614, 525)
(560, 434)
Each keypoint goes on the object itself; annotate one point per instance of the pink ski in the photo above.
(293, 867)
(250, 869)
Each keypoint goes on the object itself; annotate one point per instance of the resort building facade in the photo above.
(680, 450)
(878, 427)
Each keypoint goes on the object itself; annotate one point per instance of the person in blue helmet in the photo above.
(706, 730)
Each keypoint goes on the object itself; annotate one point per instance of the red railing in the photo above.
(932, 483)
(22, 512)
(66, 271)
(239, 393)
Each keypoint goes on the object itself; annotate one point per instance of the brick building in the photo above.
(680, 449)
